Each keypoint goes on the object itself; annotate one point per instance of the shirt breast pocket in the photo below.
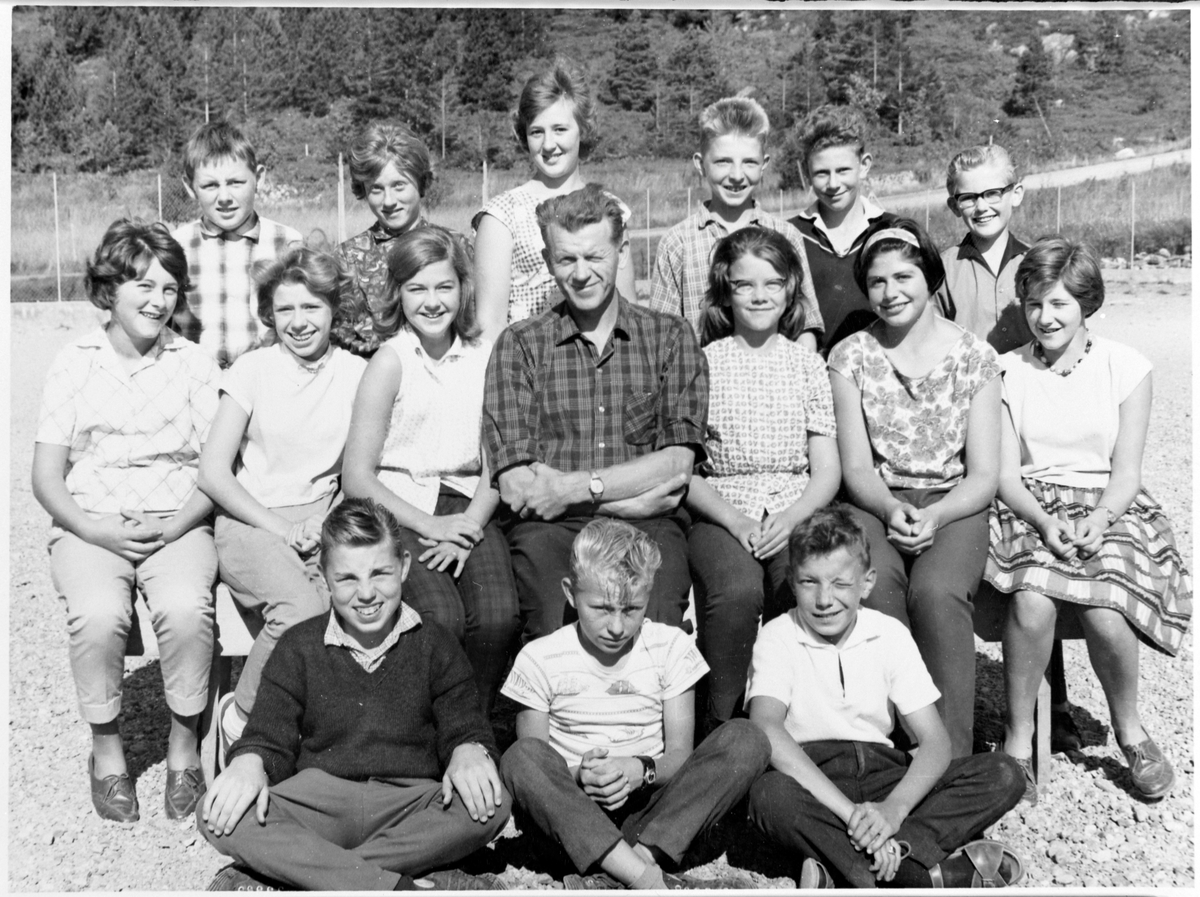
(640, 417)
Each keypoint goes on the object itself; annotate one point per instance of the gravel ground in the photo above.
(1087, 831)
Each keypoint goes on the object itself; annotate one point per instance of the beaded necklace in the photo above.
(1040, 355)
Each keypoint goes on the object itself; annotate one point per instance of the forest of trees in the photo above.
(115, 88)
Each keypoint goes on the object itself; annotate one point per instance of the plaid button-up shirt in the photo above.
(551, 396)
(223, 299)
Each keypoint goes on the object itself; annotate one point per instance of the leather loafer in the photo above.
(113, 797)
(184, 789)
(1151, 772)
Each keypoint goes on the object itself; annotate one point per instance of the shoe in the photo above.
(597, 882)
(184, 789)
(239, 878)
(1064, 734)
(814, 876)
(1151, 773)
(114, 797)
(457, 880)
(1031, 794)
(979, 864)
(225, 741)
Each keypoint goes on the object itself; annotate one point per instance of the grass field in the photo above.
(1098, 211)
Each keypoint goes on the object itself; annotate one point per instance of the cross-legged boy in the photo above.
(732, 159)
(221, 173)
(835, 161)
(604, 763)
(980, 291)
(824, 684)
(366, 759)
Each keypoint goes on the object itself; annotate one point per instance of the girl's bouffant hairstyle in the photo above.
(716, 321)
(924, 255)
(823, 533)
(322, 275)
(412, 252)
(358, 522)
(1054, 258)
(828, 126)
(125, 253)
(615, 557)
(376, 146)
(563, 80)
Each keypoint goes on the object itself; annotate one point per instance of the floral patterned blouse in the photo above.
(365, 257)
(762, 408)
(917, 426)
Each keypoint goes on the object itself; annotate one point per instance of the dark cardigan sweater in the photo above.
(317, 708)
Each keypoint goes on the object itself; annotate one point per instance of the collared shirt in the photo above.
(840, 694)
(223, 299)
(844, 307)
(370, 658)
(981, 300)
(433, 434)
(679, 285)
(134, 435)
(762, 408)
(552, 396)
(365, 256)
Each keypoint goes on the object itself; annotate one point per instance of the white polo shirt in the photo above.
(846, 693)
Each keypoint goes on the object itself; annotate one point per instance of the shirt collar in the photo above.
(872, 209)
(335, 637)
(566, 328)
(168, 341)
(380, 234)
(413, 344)
(864, 631)
(704, 216)
(968, 250)
(211, 232)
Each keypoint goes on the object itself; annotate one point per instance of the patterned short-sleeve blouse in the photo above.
(762, 408)
(917, 426)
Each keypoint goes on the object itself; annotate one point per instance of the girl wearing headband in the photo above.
(917, 401)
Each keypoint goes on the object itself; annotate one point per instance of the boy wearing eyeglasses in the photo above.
(979, 293)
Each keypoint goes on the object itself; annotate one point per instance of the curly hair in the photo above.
(126, 251)
(563, 80)
(829, 126)
(323, 275)
(716, 320)
(412, 252)
(380, 143)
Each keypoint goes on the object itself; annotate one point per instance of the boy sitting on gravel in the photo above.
(604, 762)
(823, 684)
(366, 757)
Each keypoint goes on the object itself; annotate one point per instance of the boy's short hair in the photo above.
(828, 126)
(126, 251)
(616, 557)
(716, 318)
(824, 532)
(217, 140)
(920, 250)
(322, 274)
(1054, 258)
(734, 115)
(976, 157)
(563, 80)
(576, 210)
(358, 522)
(413, 251)
(380, 143)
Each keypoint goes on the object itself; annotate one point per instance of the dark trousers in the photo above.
(479, 608)
(714, 778)
(541, 558)
(931, 594)
(973, 793)
(733, 590)
(329, 834)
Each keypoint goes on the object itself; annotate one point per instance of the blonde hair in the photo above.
(734, 115)
(977, 157)
(615, 557)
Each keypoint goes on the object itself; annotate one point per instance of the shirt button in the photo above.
(602, 445)
(601, 409)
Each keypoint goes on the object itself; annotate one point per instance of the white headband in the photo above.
(892, 233)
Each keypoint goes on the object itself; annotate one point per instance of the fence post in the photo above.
(57, 252)
(780, 202)
(1132, 223)
(689, 202)
(1058, 212)
(160, 217)
(926, 211)
(341, 194)
(648, 259)
(485, 183)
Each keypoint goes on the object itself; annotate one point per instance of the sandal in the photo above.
(990, 863)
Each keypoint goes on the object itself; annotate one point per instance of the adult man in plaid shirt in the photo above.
(596, 407)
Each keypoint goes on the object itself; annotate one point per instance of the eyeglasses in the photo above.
(744, 289)
(966, 201)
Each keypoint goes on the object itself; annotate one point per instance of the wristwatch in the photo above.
(596, 487)
(1108, 513)
(649, 771)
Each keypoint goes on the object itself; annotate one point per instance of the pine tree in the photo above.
(46, 104)
(635, 70)
(1034, 73)
(493, 42)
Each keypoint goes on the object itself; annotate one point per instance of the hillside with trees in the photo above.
(119, 88)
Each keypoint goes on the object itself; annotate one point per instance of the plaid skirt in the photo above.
(1137, 571)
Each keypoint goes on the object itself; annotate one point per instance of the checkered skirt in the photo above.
(1137, 571)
